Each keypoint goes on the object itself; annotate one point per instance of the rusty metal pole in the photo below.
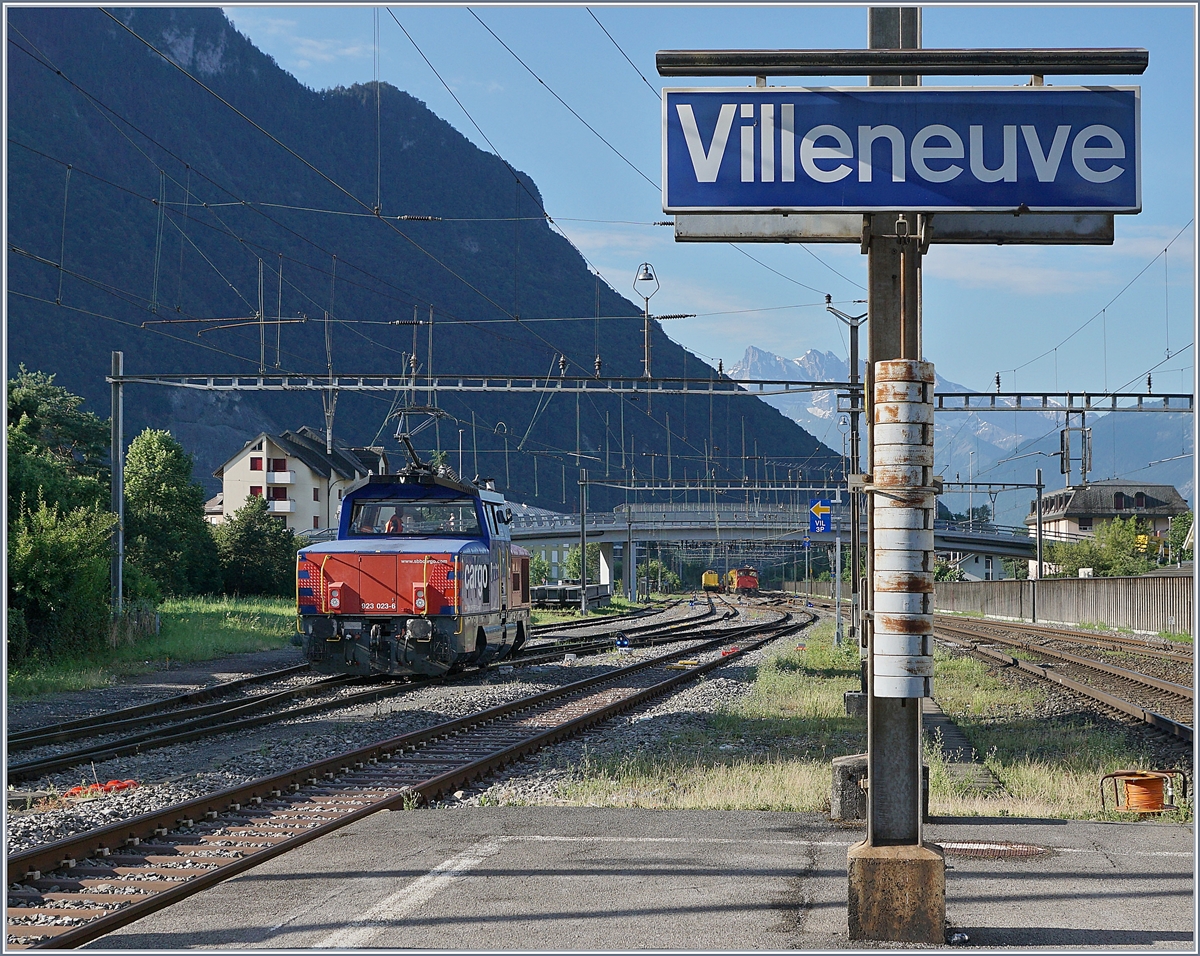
(897, 884)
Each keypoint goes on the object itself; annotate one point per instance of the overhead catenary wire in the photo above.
(649, 85)
(291, 152)
(188, 189)
(568, 107)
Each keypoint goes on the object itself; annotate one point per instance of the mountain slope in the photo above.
(172, 201)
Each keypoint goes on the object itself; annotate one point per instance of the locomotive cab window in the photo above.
(454, 518)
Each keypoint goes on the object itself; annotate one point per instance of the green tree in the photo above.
(539, 569)
(167, 537)
(58, 581)
(655, 571)
(257, 552)
(56, 452)
(1180, 526)
(1113, 551)
(945, 571)
(571, 563)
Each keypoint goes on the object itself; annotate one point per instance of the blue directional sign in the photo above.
(1042, 149)
(819, 515)
(807, 543)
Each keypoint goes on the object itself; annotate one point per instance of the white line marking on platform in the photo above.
(400, 904)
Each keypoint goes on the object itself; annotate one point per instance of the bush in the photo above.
(257, 552)
(58, 581)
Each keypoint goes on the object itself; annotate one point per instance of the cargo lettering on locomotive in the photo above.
(417, 582)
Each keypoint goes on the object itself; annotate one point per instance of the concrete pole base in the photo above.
(897, 893)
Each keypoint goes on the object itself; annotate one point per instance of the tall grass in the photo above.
(772, 749)
(193, 629)
(768, 751)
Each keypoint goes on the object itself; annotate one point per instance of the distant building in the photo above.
(1076, 511)
(302, 484)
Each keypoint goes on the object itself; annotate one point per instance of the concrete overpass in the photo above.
(766, 523)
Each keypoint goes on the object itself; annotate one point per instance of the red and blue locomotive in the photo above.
(423, 578)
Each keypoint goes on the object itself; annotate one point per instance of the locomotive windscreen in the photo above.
(453, 518)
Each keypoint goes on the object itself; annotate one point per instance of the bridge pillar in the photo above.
(607, 562)
(629, 563)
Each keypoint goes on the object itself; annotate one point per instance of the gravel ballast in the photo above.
(173, 774)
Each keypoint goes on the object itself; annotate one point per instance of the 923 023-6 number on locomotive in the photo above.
(423, 578)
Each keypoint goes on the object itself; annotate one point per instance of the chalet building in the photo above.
(1077, 511)
(302, 484)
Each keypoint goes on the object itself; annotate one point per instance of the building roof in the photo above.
(216, 504)
(308, 445)
(1098, 499)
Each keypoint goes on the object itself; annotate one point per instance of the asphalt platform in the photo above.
(565, 878)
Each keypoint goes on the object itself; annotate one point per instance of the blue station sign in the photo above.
(924, 149)
(820, 516)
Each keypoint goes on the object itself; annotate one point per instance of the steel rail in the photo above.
(538, 629)
(1114, 641)
(1154, 719)
(1171, 687)
(115, 721)
(367, 787)
(204, 727)
(218, 722)
(140, 710)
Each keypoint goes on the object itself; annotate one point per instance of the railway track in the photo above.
(600, 620)
(70, 892)
(1114, 642)
(206, 720)
(87, 726)
(1150, 700)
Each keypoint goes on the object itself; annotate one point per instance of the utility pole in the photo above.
(117, 479)
(583, 601)
(1033, 588)
(898, 643)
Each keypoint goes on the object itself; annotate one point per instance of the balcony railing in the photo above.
(281, 477)
(284, 506)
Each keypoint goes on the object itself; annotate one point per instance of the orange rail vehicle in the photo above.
(423, 578)
(743, 581)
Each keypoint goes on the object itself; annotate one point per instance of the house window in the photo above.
(258, 447)
(256, 464)
(1140, 499)
(256, 491)
(316, 522)
(278, 464)
(316, 494)
(1119, 502)
(277, 493)
(1085, 524)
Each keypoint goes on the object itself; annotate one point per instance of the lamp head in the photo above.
(642, 284)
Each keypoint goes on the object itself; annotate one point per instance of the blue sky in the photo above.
(987, 308)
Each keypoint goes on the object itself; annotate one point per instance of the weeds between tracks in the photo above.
(1047, 751)
(770, 748)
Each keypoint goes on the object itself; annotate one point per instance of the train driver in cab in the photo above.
(394, 525)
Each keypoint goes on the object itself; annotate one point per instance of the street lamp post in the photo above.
(856, 632)
(642, 286)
